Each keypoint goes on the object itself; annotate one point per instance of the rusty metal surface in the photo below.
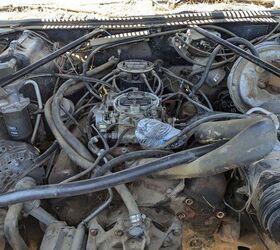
(193, 241)
(58, 236)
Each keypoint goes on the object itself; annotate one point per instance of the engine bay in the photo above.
(157, 138)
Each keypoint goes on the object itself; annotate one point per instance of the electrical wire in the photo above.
(170, 73)
(101, 155)
(211, 59)
(22, 72)
(267, 36)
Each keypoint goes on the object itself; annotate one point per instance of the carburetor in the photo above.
(121, 113)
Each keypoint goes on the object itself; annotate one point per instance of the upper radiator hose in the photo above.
(254, 141)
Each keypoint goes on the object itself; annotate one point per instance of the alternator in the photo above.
(15, 158)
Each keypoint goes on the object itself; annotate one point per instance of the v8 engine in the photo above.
(159, 136)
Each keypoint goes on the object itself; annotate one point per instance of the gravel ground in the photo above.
(117, 8)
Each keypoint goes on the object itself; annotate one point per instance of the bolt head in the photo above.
(181, 215)
(176, 232)
(118, 233)
(259, 69)
(261, 84)
(189, 201)
(220, 214)
(93, 231)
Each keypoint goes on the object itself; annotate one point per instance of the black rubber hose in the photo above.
(42, 157)
(213, 55)
(191, 61)
(22, 72)
(128, 157)
(243, 41)
(86, 64)
(211, 117)
(63, 130)
(263, 38)
(250, 57)
(112, 41)
(104, 182)
(84, 79)
(80, 85)
(109, 45)
(218, 28)
(71, 152)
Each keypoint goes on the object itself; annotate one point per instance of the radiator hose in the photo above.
(255, 139)
(249, 145)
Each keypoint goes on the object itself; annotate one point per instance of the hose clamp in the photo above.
(271, 115)
(136, 218)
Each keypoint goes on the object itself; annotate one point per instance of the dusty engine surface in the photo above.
(162, 138)
(125, 111)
